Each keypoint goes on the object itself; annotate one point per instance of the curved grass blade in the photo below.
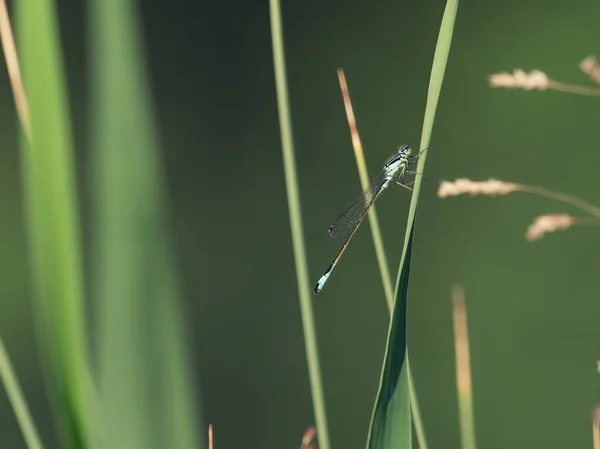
(52, 220)
(145, 376)
(391, 420)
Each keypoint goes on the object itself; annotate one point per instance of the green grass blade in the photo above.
(391, 420)
(52, 220)
(144, 376)
(293, 197)
(17, 400)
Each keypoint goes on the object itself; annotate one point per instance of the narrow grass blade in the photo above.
(52, 220)
(144, 372)
(293, 197)
(17, 400)
(390, 423)
(463, 368)
(379, 247)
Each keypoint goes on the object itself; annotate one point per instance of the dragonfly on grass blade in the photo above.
(348, 222)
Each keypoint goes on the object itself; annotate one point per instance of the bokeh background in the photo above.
(533, 307)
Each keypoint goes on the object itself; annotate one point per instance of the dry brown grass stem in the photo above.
(14, 71)
(463, 368)
(596, 427)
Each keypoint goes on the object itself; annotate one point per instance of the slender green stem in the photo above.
(293, 196)
(17, 400)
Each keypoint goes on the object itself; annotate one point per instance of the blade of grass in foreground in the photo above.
(390, 423)
(379, 247)
(144, 375)
(52, 221)
(17, 401)
(293, 197)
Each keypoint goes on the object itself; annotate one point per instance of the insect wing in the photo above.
(345, 222)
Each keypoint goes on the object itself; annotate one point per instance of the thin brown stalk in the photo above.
(596, 427)
(573, 89)
(570, 199)
(364, 181)
(463, 368)
(14, 71)
(210, 437)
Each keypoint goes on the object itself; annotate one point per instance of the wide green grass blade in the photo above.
(52, 220)
(391, 420)
(295, 212)
(144, 374)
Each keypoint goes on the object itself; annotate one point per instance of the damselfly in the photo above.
(349, 221)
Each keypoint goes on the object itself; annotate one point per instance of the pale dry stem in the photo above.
(14, 71)
(461, 341)
(463, 368)
(356, 144)
(596, 427)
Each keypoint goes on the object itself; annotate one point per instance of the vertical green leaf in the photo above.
(391, 421)
(145, 383)
(52, 219)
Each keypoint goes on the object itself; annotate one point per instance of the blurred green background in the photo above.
(533, 307)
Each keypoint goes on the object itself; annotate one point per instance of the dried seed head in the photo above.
(308, 438)
(520, 79)
(548, 223)
(588, 64)
(490, 187)
(590, 67)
